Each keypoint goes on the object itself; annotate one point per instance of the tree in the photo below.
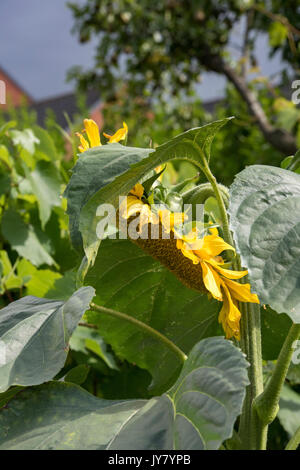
(161, 48)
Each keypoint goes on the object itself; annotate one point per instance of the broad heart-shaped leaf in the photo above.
(108, 172)
(34, 336)
(94, 170)
(198, 412)
(265, 219)
(130, 281)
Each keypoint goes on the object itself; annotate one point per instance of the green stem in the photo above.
(258, 432)
(266, 405)
(203, 165)
(143, 326)
(294, 442)
(225, 223)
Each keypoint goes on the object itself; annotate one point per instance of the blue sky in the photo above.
(37, 48)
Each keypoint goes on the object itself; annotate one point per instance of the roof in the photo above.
(64, 104)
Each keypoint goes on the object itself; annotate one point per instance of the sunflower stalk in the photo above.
(266, 405)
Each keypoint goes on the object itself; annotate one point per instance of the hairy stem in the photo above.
(142, 326)
(266, 405)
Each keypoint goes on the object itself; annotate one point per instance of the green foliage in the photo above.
(182, 39)
(145, 290)
(206, 398)
(33, 224)
(148, 334)
(131, 165)
(265, 207)
(289, 412)
(35, 334)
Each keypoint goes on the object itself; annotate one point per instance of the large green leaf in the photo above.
(128, 280)
(34, 336)
(198, 412)
(113, 170)
(94, 170)
(265, 219)
(24, 239)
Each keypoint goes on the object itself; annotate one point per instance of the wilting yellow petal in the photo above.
(241, 292)
(212, 246)
(84, 143)
(230, 316)
(92, 131)
(228, 273)
(121, 134)
(137, 190)
(211, 280)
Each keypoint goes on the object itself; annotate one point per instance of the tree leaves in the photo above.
(198, 412)
(34, 335)
(128, 280)
(265, 219)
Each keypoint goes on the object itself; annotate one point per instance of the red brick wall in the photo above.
(14, 95)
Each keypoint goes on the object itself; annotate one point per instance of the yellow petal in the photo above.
(121, 134)
(211, 280)
(84, 143)
(213, 230)
(241, 292)
(92, 131)
(130, 206)
(212, 246)
(170, 219)
(230, 316)
(137, 190)
(187, 252)
(147, 217)
(228, 273)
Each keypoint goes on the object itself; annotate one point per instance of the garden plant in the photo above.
(121, 271)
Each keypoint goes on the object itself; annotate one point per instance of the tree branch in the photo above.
(278, 138)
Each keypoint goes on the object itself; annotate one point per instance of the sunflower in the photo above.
(197, 262)
(92, 131)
